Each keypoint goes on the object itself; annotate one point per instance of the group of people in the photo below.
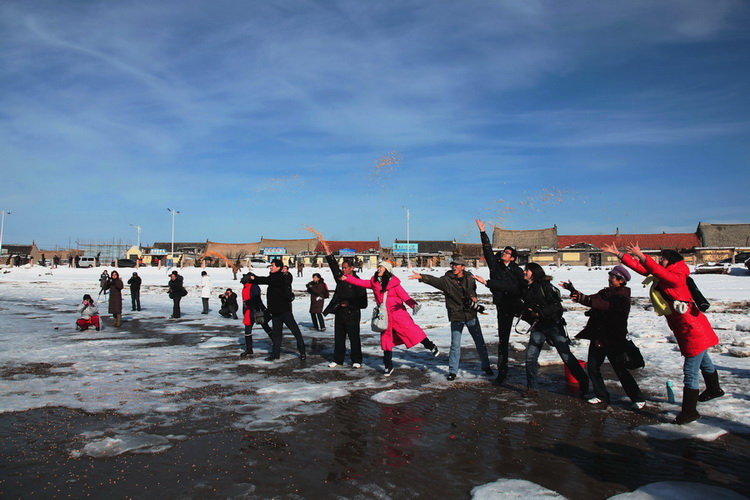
(519, 295)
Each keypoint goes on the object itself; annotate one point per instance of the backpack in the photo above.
(698, 297)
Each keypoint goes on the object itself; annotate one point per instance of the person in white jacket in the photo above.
(205, 287)
(89, 314)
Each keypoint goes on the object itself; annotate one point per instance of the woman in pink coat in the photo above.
(401, 327)
(690, 326)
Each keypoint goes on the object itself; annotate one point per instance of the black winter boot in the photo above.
(248, 346)
(689, 402)
(713, 390)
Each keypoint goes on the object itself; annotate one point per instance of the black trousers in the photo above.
(176, 306)
(594, 364)
(135, 299)
(277, 325)
(318, 321)
(504, 326)
(346, 325)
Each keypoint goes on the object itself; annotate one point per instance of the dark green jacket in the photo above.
(457, 291)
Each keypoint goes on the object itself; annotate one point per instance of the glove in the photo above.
(319, 298)
(416, 308)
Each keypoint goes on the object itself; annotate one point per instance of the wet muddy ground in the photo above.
(442, 444)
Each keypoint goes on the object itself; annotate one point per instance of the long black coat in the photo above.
(279, 291)
(508, 280)
(346, 296)
(608, 316)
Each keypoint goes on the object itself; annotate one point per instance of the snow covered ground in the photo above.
(154, 369)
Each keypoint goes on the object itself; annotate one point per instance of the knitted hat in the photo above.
(387, 265)
(621, 272)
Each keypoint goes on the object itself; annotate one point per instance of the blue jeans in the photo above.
(693, 366)
(555, 335)
(476, 333)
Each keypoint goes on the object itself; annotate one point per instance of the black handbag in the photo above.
(631, 357)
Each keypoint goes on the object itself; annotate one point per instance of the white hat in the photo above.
(387, 265)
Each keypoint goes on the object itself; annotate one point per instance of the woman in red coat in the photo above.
(690, 326)
(401, 327)
(253, 311)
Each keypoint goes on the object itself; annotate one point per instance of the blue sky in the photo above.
(258, 118)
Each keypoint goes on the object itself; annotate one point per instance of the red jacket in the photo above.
(692, 330)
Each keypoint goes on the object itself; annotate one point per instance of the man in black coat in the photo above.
(135, 291)
(503, 269)
(176, 292)
(346, 305)
(280, 296)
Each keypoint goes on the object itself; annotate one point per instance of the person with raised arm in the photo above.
(508, 277)
(401, 329)
(695, 336)
(346, 306)
(460, 292)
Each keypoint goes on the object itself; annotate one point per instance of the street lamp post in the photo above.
(173, 214)
(408, 246)
(138, 228)
(2, 228)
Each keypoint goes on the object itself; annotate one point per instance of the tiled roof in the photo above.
(357, 246)
(678, 241)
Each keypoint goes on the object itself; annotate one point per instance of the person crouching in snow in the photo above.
(460, 292)
(607, 328)
(89, 314)
(689, 325)
(401, 327)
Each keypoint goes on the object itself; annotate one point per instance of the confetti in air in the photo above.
(385, 166)
(283, 182)
(497, 213)
(320, 238)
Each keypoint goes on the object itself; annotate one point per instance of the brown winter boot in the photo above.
(118, 319)
(689, 402)
(713, 390)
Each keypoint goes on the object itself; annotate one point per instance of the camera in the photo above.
(473, 305)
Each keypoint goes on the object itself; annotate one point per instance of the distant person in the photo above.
(346, 305)
(205, 287)
(114, 285)
(691, 328)
(253, 312)
(229, 304)
(318, 291)
(280, 296)
(89, 314)
(98, 255)
(460, 291)
(17, 260)
(43, 262)
(77, 260)
(401, 327)
(176, 292)
(508, 278)
(300, 268)
(135, 291)
(55, 261)
(103, 279)
(607, 329)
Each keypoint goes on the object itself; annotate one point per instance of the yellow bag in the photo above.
(661, 306)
